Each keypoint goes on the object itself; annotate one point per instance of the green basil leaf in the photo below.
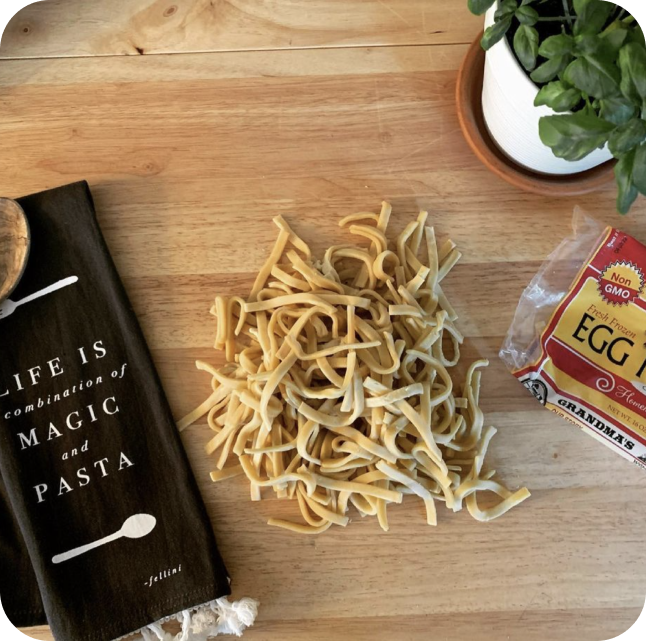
(480, 6)
(556, 46)
(526, 46)
(632, 62)
(636, 34)
(627, 137)
(615, 36)
(527, 15)
(595, 45)
(627, 192)
(495, 33)
(524, 2)
(574, 136)
(589, 110)
(592, 15)
(617, 109)
(558, 96)
(550, 69)
(594, 76)
(639, 169)
(506, 8)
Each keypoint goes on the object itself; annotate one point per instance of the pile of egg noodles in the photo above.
(337, 388)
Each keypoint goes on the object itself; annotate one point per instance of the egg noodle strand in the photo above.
(336, 389)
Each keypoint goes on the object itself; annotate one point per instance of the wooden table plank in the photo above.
(573, 625)
(189, 157)
(132, 27)
(342, 129)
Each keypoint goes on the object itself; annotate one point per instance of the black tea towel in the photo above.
(96, 495)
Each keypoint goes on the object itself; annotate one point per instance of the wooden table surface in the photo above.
(196, 121)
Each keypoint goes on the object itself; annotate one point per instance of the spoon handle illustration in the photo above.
(66, 556)
(48, 290)
(134, 527)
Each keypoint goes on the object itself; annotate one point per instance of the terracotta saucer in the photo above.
(14, 245)
(469, 103)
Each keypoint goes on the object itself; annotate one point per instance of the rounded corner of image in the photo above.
(13, 15)
(623, 634)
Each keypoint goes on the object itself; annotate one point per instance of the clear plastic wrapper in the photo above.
(578, 340)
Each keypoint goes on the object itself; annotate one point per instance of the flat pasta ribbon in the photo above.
(337, 388)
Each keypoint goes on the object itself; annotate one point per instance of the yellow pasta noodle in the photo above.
(337, 389)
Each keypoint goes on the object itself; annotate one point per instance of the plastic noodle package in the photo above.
(578, 338)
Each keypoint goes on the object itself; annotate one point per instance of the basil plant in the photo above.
(588, 58)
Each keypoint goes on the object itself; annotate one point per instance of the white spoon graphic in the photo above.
(8, 307)
(135, 527)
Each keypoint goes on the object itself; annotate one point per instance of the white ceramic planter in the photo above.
(508, 96)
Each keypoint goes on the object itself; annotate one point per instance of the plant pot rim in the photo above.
(472, 123)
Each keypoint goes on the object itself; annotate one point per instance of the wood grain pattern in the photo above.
(14, 245)
(135, 27)
(571, 625)
(189, 157)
